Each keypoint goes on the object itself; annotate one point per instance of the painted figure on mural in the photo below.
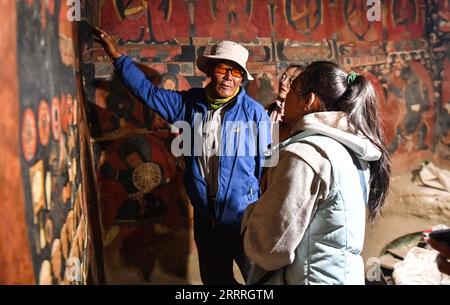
(47, 10)
(265, 89)
(169, 82)
(146, 20)
(119, 112)
(122, 107)
(407, 20)
(408, 88)
(355, 12)
(444, 15)
(236, 16)
(133, 9)
(445, 124)
(141, 213)
(173, 80)
(303, 15)
(404, 12)
(139, 180)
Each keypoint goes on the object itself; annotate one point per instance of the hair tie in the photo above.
(351, 77)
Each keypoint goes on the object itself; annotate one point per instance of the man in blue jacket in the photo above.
(228, 132)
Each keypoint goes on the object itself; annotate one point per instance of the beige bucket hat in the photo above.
(228, 50)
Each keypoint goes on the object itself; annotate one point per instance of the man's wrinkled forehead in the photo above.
(225, 62)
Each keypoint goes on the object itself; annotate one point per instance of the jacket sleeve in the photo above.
(274, 226)
(167, 103)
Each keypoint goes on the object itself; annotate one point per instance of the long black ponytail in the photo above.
(354, 95)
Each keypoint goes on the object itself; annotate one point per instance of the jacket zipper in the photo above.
(218, 185)
(220, 165)
(223, 122)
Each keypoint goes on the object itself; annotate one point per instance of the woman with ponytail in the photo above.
(308, 226)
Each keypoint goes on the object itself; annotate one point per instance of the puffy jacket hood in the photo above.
(334, 124)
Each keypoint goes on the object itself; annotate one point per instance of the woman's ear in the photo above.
(309, 101)
(312, 102)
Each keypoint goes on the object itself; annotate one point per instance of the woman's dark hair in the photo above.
(299, 67)
(356, 97)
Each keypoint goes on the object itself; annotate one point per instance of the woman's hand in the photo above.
(443, 257)
(107, 43)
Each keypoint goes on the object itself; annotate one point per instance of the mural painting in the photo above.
(445, 122)
(411, 89)
(138, 177)
(145, 212)
(244, 21)
(59, 222)
(439, 42)
(395, 48)
(406, 19)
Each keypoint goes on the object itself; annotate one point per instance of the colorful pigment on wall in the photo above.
(396, 50)
(53, 146)
(82, 134)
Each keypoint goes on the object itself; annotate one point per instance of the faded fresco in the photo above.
(397, 50)
(145, 214)
(53, 146)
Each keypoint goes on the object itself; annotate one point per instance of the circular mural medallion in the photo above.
(29, 135)
(44, 122)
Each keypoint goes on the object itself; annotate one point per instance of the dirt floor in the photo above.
(410, 208)
(119, 272)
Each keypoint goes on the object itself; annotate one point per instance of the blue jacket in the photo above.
(239, 174)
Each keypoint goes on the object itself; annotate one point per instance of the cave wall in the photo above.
(404, 54)
(15, 252)
(52, 231)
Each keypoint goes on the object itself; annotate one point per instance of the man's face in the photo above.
(226, 77)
